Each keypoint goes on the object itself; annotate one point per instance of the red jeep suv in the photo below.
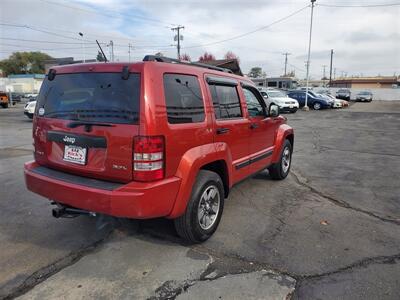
(158, 138)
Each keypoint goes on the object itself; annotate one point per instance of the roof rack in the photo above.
(177, 61)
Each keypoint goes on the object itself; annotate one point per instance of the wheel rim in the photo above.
(317, 106)
(208, 209)
(286, 160)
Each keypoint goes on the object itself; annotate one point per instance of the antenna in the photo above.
(102, 52)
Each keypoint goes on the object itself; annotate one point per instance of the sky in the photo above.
(365, 40)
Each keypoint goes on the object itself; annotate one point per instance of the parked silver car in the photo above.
(364, 96)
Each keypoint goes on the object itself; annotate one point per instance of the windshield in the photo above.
(364, 93)
(276, 94)
(96, 97)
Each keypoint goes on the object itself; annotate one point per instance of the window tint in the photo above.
(95, 97)
(226, 101)
(183, 99)
(253, 105)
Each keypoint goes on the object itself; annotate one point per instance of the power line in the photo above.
(43, 31)
(105, 14)
(250, 32)
(88, 41)
(360, 5)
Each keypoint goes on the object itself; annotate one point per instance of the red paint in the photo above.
(186, 149)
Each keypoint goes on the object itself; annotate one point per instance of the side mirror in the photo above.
(273, 110)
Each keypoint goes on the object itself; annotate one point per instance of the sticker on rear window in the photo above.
(41, 111)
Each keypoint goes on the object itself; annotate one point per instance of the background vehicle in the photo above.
(325, 96)
(364, 96)
(101, 146)
(4, 99)
(344, 94)
(17, 97)
(312, 101)
(277, 97)
(31, 97)
(29, 109)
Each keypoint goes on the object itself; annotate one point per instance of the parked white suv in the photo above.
(273, 96)
(29, 109)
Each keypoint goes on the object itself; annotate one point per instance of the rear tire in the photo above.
(280, 170)
(317, 106)
(204, 209)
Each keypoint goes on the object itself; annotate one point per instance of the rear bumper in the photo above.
(132, 200)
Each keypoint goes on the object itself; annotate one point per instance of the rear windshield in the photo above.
(96, 97)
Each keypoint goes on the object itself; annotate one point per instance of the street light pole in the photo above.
(83, 46)
(308, 57)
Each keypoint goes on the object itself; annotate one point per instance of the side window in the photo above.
(253, 105)
(226, 101)
(183, 99)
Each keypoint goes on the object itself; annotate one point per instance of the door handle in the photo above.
(222, 130)
(253, 126)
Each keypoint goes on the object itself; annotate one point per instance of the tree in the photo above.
(256, 72)
(100, 56)
(231, 55)
(24, 63)
(185, 57)
(206, 57)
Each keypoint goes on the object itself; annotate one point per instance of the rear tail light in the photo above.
(148, 158)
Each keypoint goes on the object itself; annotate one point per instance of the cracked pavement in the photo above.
(329, 231)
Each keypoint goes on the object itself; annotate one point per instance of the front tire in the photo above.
(280, 170)
(204, 209)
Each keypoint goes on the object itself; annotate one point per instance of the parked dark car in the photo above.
(364, 96)
(16, 97)
(344, 94)
(312, 100)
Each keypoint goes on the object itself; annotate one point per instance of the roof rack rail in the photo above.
(177, 61)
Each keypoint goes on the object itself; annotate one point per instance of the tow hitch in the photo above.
(62, 211)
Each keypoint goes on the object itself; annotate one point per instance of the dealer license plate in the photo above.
(75, 154)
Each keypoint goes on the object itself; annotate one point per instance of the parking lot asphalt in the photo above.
(331, 230)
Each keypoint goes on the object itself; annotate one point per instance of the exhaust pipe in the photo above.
(68, 212)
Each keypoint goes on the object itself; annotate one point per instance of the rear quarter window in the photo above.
(183, 99)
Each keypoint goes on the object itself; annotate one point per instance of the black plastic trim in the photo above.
(253, 160)
(77, 140)
(75, 179)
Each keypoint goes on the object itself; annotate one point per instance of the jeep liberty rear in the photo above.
(158, 138)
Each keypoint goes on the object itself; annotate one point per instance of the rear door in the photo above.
(231, 127)
(85, 124)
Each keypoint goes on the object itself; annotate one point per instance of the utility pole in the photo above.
(178, 38)
(111, 45)
(286, 55)
(330, 69)
(324, 73)
(129, 52)
(308, 57)
(334, 73)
